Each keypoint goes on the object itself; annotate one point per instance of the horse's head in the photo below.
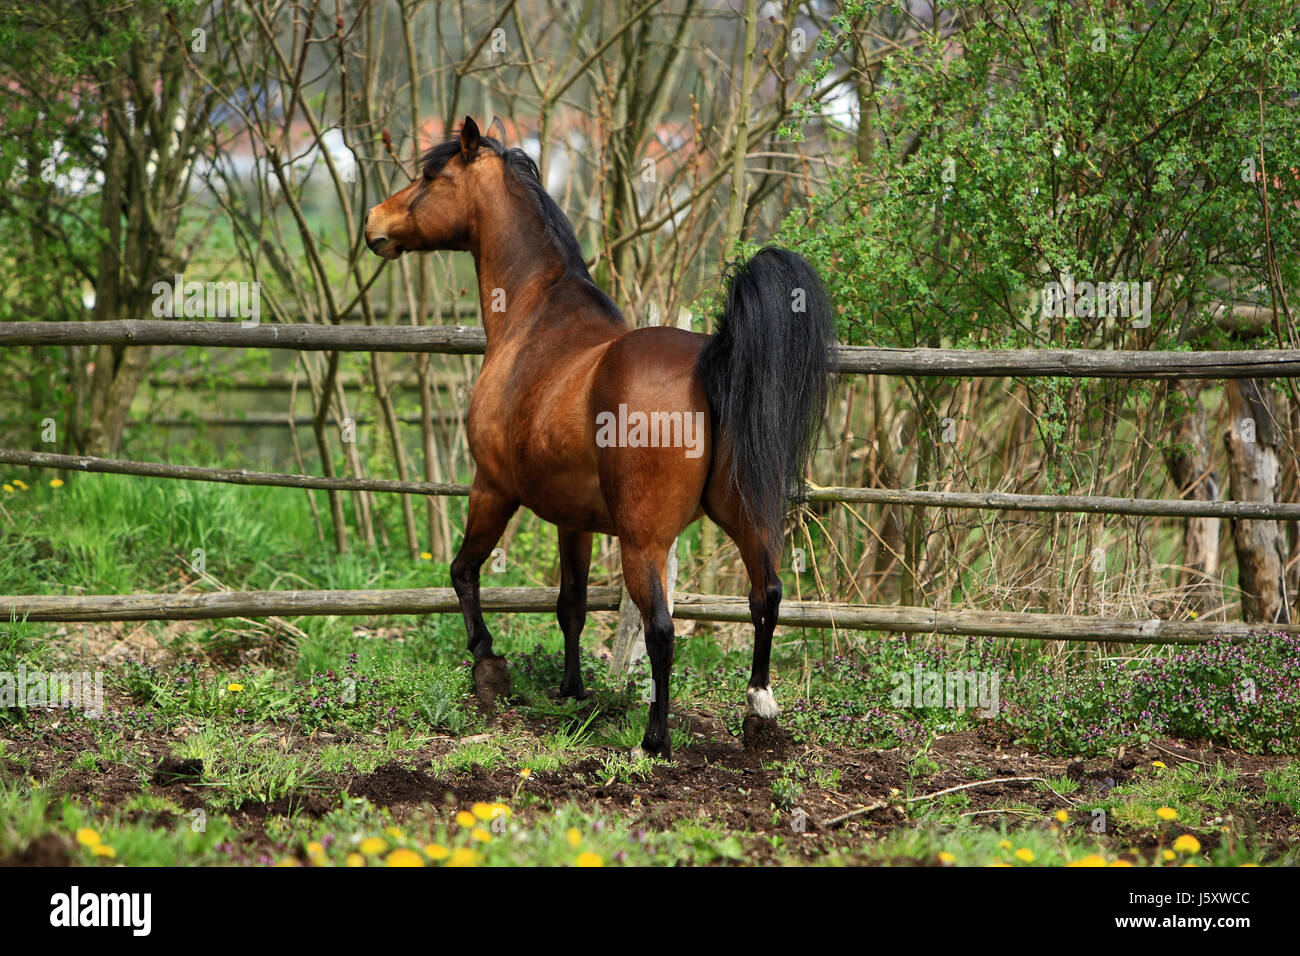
(437, 209)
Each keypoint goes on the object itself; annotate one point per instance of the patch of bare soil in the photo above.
(845, 796)
(45, 850)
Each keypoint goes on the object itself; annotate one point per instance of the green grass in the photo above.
(280, 717)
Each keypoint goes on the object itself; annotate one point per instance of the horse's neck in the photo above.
(511, 254)
(516, 262)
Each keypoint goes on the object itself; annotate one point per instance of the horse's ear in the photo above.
(469, 138)
(497, 130)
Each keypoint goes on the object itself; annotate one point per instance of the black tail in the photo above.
(766, 374)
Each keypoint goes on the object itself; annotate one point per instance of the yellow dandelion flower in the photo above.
(1092, 859)
(1255, 865)
(394, 832)
(466, 819)
(20, 484)
(9, 488)
(1169, 856)
(437, 851)
(88, 837)
(1025, 855)
(234, 688)
(573, 836)
(1191, 863)
(1187, 844)
(1004, 844)
(355, 859)
(525, 773)
(56, 482)
(464, 856)
(479, 834)
(999, 863)
(946, 857)
(1168, 814)
(1158, 763)
(501, 810)
(403, 857)
(103, 849)
(373, 846)
(588, 859)
(482, 811)
(1062, 816)
(1120, 863)
(315, 850)
(426, 556)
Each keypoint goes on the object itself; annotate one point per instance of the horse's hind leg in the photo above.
(644, 575)
(760, 555)
(764, 610)
(571, 609)
(489, 512)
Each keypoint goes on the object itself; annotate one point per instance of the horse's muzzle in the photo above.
(379, 243)
(383, 246)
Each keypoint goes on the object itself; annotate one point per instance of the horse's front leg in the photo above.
(571, 609)
(489, 512)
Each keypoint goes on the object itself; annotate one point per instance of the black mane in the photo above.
(523, 171)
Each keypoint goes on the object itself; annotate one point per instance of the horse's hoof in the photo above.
(491, 680)
(580, 694)
(662, 748)
(764, 735)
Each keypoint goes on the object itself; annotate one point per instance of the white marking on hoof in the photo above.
(759, 700)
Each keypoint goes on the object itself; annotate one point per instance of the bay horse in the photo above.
(558, 419)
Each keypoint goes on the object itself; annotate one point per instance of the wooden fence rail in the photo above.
(470, 340)
(233, 476)
(1084, 504)
(693, 607)
(993, 501)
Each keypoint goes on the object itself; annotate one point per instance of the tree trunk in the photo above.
(1254, 474)
(1188, 460)
(117, 376)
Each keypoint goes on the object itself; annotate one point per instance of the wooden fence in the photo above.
(859, 360)
(461, 340)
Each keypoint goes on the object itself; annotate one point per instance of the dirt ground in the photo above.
(718, 780)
